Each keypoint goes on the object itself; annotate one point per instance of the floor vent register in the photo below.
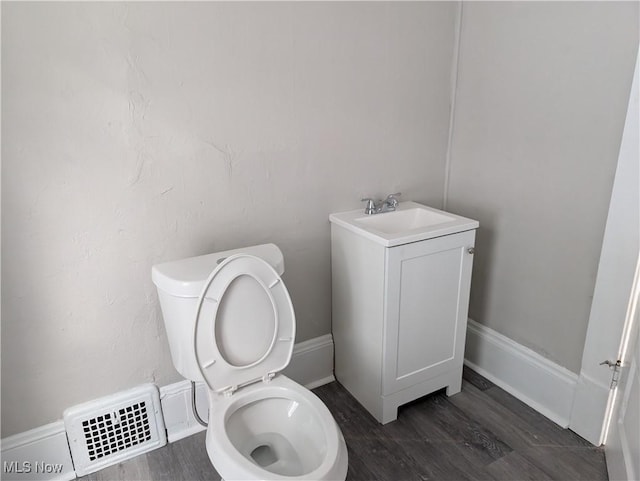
(114, 428)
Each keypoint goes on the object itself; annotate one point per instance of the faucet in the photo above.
(387, 205)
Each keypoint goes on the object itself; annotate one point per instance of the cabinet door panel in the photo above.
(426, 309)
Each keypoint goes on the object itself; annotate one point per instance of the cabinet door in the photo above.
(426, 308)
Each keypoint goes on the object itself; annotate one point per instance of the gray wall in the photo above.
(145, 132)
(540, 105)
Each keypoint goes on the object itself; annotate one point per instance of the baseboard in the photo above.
(533, 379)
(179, 420)
(38, 455)
(311, 365)
(42, 454)
(312, 362)
(591, 397)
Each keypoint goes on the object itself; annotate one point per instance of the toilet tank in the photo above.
(179, 285)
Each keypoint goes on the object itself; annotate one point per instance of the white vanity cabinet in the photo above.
(399, 314)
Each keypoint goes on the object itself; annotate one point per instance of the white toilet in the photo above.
(231, 324)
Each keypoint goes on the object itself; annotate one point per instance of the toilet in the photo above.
(230, 323)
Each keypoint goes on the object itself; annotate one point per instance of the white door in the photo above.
(622, 444)
(598, 410)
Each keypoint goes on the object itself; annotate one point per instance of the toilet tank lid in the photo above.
(186, 277)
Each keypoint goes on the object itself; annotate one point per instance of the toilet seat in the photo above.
(245, 325)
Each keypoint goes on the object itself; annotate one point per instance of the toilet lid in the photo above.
(245, 326)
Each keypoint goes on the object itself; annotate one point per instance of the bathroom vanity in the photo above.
(400, 287)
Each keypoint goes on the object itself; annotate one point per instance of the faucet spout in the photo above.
(387, 205)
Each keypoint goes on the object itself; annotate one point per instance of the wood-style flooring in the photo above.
(482, 433)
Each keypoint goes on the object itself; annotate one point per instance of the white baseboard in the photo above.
(312, 362)
(311, 365)
(37, 455)
(42, 454)
(179, 420)
(538, 382)
(591, 397)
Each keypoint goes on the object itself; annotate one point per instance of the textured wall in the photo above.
(145, 132)
(541, 101)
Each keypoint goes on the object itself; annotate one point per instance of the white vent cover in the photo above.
(114, 428)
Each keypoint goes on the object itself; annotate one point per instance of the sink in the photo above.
(410, 222)
(404, 220)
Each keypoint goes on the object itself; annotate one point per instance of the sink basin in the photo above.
(410, 222)
(403, 220)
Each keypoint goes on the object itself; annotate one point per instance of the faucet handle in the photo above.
(370, 208)
(392, 199)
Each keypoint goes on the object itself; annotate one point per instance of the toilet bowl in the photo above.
(262, 425)
(274, 432)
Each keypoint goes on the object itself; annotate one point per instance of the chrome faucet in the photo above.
(387, 205)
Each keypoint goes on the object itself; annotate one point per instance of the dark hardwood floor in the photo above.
(482, 433)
